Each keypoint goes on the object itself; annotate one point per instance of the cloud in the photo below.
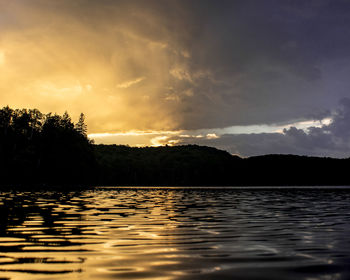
(130, 83)
(331, 139)
(212, 136)
(2, 58)
(84, 57)
(135, 138)
(209, 64)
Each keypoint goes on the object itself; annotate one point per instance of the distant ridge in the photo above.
(200, 165)
(189, 165)
(50, 150)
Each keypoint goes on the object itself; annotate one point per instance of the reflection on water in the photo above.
(176, 234)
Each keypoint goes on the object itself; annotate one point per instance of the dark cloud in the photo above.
(266, 61)
(329, 140)
(204, 63)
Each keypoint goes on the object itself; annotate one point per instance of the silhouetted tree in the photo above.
(80, 126)
(43, 148)
(51, 149)
(6, 115)
(66, 121)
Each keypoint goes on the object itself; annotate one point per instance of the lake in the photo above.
(176, 233)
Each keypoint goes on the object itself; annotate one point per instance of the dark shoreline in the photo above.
(63, 188)
(49, 151)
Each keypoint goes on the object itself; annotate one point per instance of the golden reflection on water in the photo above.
(173, 234)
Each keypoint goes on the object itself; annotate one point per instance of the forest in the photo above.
(46, 150)
(38, 148)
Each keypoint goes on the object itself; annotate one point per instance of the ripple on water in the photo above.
(177, 233)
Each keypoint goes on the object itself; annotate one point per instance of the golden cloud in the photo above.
(57, 57)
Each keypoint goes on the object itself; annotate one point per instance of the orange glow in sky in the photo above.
(109, 67)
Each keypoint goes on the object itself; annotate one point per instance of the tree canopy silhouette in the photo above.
(43, 148)
(80, 126)
(49, 149)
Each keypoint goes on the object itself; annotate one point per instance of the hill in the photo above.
(200, 165)
(177, 165)
(48, 149)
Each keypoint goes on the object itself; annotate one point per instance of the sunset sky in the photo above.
(250, 77)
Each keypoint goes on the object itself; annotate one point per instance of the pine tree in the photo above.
(66, 121)
(80, 126)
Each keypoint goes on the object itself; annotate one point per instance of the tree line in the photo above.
(51, 150)
(43, 148)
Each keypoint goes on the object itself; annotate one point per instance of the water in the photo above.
(176, 234)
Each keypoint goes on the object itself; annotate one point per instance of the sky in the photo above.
(248, 76)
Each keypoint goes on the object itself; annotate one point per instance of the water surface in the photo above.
(174, 233)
